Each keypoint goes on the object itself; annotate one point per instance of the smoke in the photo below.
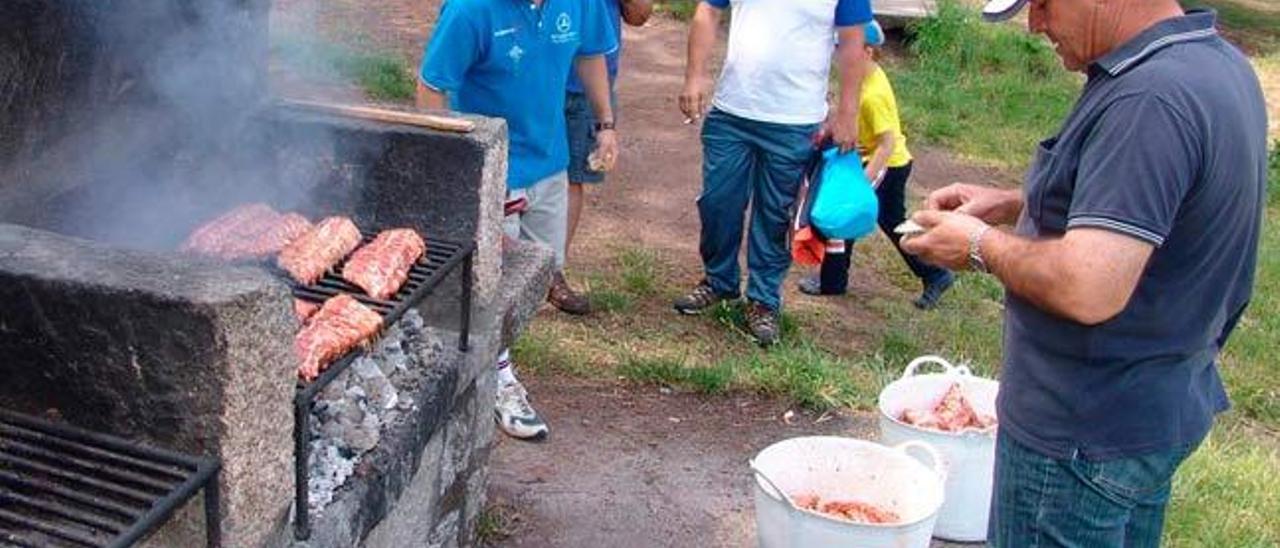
(136, 120)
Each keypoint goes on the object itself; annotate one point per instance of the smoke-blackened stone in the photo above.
(183, 354)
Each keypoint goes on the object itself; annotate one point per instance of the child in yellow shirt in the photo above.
(888, 166)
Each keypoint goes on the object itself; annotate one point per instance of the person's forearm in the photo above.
(702, 36)
(853, 62)
(1082, 285)
(879, 160)
(594, 75)
(636, 12)
(427, 98)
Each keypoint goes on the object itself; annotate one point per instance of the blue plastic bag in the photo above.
(844, 206)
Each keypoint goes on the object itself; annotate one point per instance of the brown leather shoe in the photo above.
(566, 299)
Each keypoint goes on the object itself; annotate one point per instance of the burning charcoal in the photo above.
(365, 435)
(381, 393)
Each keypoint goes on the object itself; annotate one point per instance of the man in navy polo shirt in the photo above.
(1131, 262)
(758, 135)
(511, 59)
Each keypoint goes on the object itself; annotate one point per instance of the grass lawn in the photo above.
(381, 76)
(988, 92)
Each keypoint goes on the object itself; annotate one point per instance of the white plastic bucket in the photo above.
(969, 457)
(845, 469)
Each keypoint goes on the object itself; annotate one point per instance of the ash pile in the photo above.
(349, 415)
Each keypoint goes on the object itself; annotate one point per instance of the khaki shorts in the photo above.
(545, 219)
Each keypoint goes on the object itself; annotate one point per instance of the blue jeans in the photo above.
(749, 162)
(579, 124)
(1042, 501)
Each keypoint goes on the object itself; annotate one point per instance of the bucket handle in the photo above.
(786, 499)
(910, 371)
(936, 463)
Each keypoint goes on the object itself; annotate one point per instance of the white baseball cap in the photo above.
(1000, 10)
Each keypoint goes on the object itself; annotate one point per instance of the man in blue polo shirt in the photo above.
(757, 137)
(511, 59)
(1131, 262)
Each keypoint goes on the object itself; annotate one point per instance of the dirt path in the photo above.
(632, 466)
(639, 467)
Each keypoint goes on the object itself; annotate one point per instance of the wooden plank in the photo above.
(417, 119)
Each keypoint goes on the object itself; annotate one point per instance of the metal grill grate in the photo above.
(61, 486)
(441, 258)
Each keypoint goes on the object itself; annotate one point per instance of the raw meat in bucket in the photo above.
(382, 266)
(308, 257)
(339, 326)
(952, 413)
(852, 510)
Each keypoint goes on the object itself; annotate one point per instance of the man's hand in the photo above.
(844, 131)
(945, 241)
(696, 97)
(992, 205)
(606, 152)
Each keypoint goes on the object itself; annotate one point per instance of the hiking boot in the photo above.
(699, 299)
(933, 291)
(762, 321)
(566, 299)
(812, 285)
(515, 416)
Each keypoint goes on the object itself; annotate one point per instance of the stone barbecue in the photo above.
(128, 123)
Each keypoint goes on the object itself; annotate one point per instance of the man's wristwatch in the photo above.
(975, 250)
(601, 126)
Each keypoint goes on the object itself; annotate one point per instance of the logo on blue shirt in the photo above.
(564, 30)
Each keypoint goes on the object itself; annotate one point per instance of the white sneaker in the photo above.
(515, 416)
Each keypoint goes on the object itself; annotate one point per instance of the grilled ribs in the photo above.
(382, 266)
(221, 236)
(310, 255)
(303, 310)
(252, 231)
(285, 229)
(340, 325)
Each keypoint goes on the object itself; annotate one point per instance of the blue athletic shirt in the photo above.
(613, 7)
(511, 59)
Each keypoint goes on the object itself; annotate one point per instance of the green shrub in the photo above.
(988, 91)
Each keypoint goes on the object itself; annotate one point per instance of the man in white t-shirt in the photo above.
(759, 133)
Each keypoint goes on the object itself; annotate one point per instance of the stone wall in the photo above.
(449, 185)
(424, 485)
(68, 65)
(186, 355)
